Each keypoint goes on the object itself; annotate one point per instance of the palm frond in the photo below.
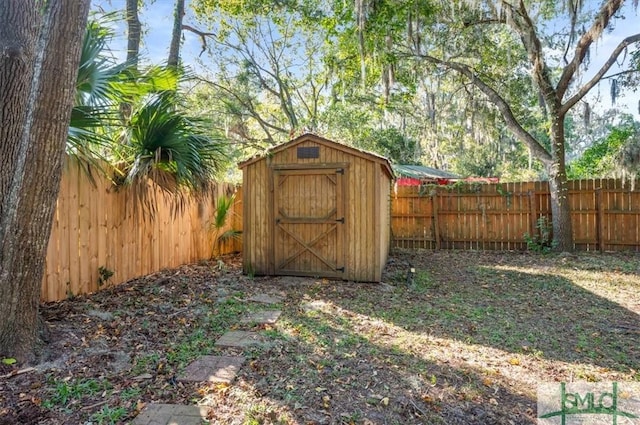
(221, 217)
(167, 147)
(98, 71)
(224, 207)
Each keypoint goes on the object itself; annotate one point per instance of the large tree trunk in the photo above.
(133, 33)
(40, 46)
(174, 48)
(559, 188)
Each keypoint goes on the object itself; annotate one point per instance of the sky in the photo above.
(156, 17)
(599, 55)
(157, 21)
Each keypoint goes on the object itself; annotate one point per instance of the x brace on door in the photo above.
(308, 247)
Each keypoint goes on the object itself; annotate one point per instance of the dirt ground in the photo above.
(465, 339)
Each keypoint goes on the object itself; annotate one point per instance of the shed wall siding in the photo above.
(361, 232)
(257, 227)
(385, 219)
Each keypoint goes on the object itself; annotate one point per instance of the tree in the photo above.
(604, 156)
(471, 39)
(266, 78)
(170, 148)
(157, 140)
(98, 91)
(369, 88)
(40, 44)
(465, 78)
(559, 94)
(394, 145)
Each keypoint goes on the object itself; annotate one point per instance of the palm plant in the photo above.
(169, 148)
(222, 215)
(154, 141)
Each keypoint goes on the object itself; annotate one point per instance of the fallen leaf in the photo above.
(514, 361)
(221, 387)
(143, 377)
(325, 401)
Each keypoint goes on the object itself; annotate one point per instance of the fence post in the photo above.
(599, 219)
(532, 213)
(436, 224)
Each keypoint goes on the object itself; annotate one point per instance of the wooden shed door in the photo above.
(309, 222)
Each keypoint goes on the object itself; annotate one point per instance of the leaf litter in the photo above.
(465, 339)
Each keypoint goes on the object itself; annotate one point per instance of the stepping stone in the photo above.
(266, 299)
(265, 317)
(318, 305)
(171, 414)
(239, 339)
(212, 369)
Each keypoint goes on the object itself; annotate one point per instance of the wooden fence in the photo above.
(96, 228)
(605, 215)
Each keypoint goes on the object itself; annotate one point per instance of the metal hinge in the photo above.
(340, 269)
(340, 220)
(340, 171)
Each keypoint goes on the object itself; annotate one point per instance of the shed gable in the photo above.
(310, 148)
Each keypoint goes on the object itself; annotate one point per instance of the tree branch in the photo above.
(522, 23)
(599, 24)
(500, 103)
(600, 74)
(203, 36)
(617, 74)
(248, 105)
(485, 21)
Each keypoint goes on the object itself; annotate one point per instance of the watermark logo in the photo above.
(588, 403)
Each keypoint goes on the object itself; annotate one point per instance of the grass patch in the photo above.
(108, 415)
(64, 393)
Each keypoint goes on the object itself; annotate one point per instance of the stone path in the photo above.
(266, 299)
(171, 414)
(239, 339)
(212, 369)
(264, 317)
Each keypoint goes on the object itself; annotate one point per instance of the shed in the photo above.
(315, 207)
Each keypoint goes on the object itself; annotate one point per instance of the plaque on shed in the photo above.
(308, 152)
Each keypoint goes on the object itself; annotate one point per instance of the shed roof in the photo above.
(323, 141)
(422, 172)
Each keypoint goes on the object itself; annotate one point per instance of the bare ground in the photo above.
(464, 340)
